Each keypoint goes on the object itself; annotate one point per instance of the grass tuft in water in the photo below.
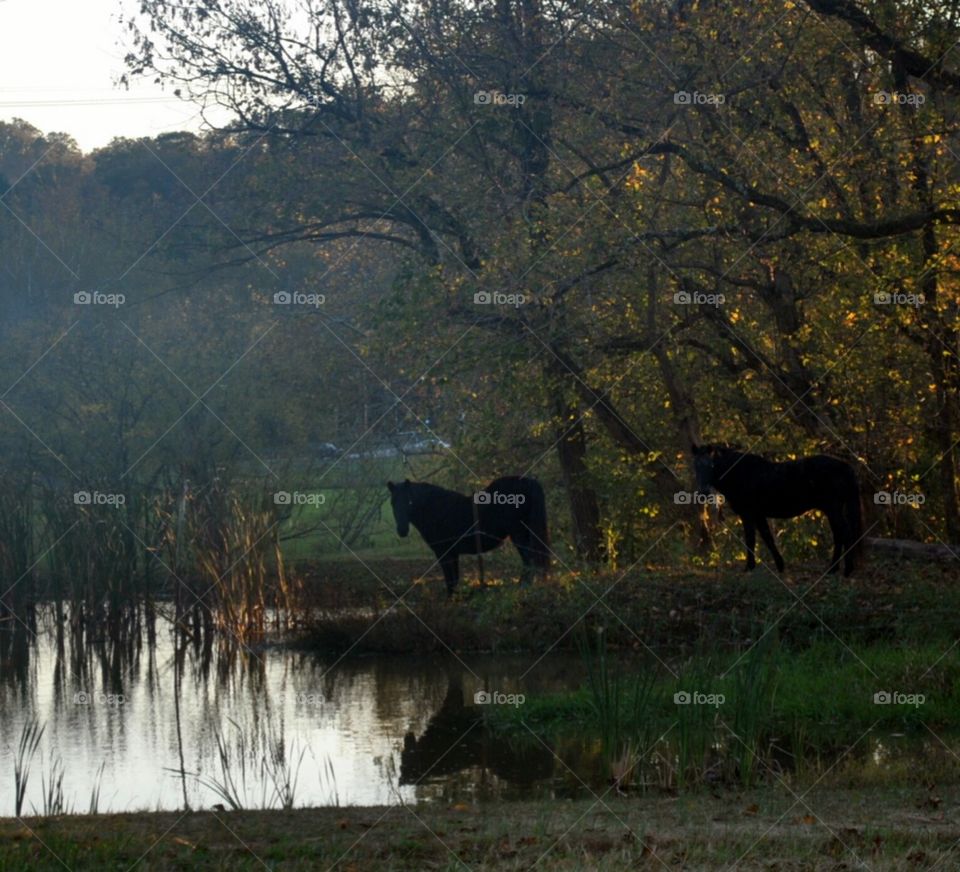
(30, 737)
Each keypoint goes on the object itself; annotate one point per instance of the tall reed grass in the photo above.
(238, 779)
(654, 728)
(30, 736)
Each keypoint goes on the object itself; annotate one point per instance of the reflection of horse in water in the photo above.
(454, 741)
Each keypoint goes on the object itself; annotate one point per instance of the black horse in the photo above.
(758, 489)
(453, 524)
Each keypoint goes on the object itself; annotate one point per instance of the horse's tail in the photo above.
(854, 518)
(537, 522)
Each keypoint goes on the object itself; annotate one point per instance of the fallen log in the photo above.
(910, 549)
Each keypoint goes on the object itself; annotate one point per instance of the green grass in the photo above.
(829, 685)
(771, 710)
(379, 538)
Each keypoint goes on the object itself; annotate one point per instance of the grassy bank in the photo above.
(787, 670)
(827, 690)
(354, 607)
(752, 830)
(859, 714)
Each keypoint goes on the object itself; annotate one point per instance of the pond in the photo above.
(150, 725)
(127, 722)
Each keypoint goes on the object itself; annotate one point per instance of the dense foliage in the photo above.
(569, 238)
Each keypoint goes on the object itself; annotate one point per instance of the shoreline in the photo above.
(888, 828)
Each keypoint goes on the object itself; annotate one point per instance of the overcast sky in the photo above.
(58, 65)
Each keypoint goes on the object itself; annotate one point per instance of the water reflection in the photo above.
(455, 743)
(174, 724)
(154, 721)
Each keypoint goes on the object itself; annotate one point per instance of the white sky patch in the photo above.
(59, 66)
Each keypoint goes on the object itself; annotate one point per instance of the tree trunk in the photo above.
(588, 537)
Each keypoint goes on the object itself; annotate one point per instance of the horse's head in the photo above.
(706, 459)
(401, 499)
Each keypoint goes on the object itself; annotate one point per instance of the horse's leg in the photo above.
(750, 540)
(849, 546)
(526, 574)
(451, 572)
(521, 542)
(839, 530)
(770, 542)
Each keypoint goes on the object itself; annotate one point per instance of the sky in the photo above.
(59, 66)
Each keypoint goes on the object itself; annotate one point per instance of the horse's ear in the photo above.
(697, 449)
(406, 481)
(391, 486)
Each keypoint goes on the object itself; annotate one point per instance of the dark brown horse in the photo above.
(757, 489)
(453, 524)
